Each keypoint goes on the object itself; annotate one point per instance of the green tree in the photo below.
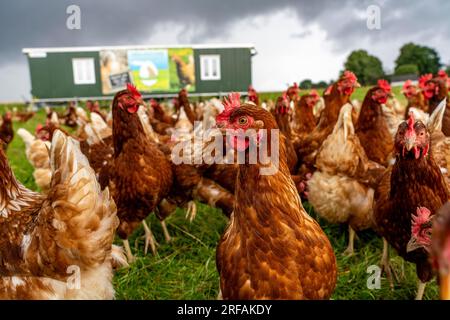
(306, 84)
(448, 69)
(407, 69)
(427, 59)
(321, 84)
(366, 67)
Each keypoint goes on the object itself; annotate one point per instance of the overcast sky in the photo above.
(294, 39)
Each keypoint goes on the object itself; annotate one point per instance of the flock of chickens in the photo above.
(375, 164)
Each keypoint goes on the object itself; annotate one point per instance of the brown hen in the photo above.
(303, 120)
(271, 249)
(335, 97)
(140, 175)
(342, 188)
(372, 128)
(415, 180)
(57, 246)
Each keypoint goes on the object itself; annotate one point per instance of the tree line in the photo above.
(413, 59)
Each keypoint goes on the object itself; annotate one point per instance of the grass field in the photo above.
(186, 269)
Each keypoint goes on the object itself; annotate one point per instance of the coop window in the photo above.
(83, 70)
(210, 67)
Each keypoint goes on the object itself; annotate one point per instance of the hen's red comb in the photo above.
(411, 121)
(406, 85)
(313, 92)
(423, 79)
(349, 76)
(442, 74)
(295, 85)
(422, 216)
(233, 101)
(285, 97)
(423, 212)
(383, 84)
(153, 102)
(133, 91)
(39, 127)
(328, 90)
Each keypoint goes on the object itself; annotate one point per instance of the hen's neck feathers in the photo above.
(187, 109)
(436, 99)
(284, 124)
(6, 125)
(272, 196)
(333, 103)
(371, 111)
(126, 127)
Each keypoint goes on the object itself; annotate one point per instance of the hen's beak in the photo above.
(444, 282)
(221, 127)
(357, 85)
(412, 245)
(409, 144)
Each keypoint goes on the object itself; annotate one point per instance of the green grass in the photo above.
(186, 268)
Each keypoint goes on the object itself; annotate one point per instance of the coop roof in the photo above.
(99, 48)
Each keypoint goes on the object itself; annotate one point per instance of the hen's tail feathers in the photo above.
(36, 150)
(97, 130)
(84, 217)
(81, 114)
(26, 136)
(435, 120)
(43, 177)
(54, 118)
(92, 136)
(145, 122)
(100, 126)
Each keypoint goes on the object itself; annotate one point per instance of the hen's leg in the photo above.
(126, 245)
(420, 290)
(165, 231)
(386, 266)
(402, 273)
(149, 239)
(191, 211)
(351, 240)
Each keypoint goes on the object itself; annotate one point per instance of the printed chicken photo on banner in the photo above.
(149, 69)
(182, 69)
(114, 70)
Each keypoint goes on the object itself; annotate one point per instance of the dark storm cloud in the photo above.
(41, 23)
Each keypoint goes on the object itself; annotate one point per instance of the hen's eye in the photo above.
(422, 133)
(242, 120)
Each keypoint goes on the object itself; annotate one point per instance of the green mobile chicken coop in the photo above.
(59, 74)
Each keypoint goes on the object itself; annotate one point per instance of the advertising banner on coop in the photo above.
(182, 69)
(150, 70)
(114, 70)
